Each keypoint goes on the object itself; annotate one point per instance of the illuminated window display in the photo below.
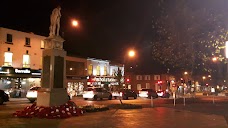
(75, 88)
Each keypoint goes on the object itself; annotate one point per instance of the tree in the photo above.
(185, 36)
(119, 76)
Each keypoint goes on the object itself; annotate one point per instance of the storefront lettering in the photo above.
(22, 71)
(105, 79)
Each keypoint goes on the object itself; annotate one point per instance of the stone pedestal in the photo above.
(53, 86)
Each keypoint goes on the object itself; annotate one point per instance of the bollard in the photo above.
(174, 99)
(213, 99)
(151, 102)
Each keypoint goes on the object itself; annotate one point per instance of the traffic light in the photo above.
(127, 80)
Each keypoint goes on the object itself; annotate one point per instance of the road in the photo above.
(145, 102)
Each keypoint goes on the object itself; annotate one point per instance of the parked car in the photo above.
(32, 94)
(148, 93)
(163, 94)
(126, 93)
(95, 93)
(3, 97)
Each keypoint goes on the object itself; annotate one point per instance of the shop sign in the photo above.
(23, 71)
(104, 79)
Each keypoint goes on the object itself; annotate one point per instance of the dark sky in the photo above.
(107, 27)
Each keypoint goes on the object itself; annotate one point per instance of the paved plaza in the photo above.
(206, 115)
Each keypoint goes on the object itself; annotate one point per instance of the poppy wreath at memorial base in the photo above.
(66, 110)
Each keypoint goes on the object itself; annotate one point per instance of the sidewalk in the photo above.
(159, 117)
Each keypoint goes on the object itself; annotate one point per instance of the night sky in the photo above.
(107, 29)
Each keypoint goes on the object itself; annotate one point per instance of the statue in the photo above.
(55, 22)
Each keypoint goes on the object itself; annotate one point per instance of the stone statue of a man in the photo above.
(55, 22)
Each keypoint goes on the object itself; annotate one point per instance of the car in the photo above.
(3, 97)
(126, 93)
(148, 93)
(32, 94)
(95, 93)
(163, 94)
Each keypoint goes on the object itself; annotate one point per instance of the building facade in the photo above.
(20, 59)
(76, 75)
(157, 82)
(101, 73)
(21, 65)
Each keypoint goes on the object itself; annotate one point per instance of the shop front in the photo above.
(104, 82)
(75, 85)
(16, 81)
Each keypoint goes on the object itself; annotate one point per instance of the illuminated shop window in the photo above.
(90, 69)
(98, 70)
(26, 61)
(8, 58)
(42, 44)
(105, 70)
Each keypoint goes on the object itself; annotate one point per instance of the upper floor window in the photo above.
(90, 69)
(98, 70)
(9, 38)
(27, 41)
(147, 77)
(8, 58)
(26, 61)
(157, 77)
(42, 44)
(138, 77)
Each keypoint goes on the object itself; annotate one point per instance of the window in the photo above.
(147, 85)
(26, 61)
(8, 58)
(42, 44)
(139, 87)
(90, 69)
(147, 77)
(98, 70)
(9, 38)
(156, 77)
(105, 70)
(138, 77)
(27, 41)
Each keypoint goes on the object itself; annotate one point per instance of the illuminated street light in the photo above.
(186, 73)
(131, 53)
(204, 77)
(214, 59)
(74, 23)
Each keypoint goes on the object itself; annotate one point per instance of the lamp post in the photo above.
(204, 77)
(130, 54)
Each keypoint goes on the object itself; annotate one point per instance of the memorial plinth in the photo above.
(53, 82)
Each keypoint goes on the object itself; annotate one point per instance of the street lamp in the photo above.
(131, 53)
(74, 23)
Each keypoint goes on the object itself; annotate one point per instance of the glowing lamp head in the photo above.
(131, 53)
(75, 23)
